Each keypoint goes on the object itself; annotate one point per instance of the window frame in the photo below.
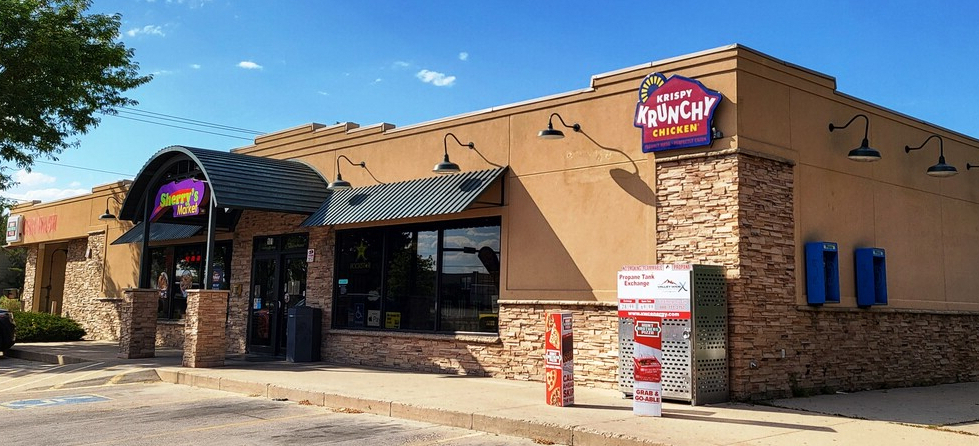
(383, 233)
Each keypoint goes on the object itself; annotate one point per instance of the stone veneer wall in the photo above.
(205, 329)
(319, 276)
(736, 210)
(30, 270)
(596, 341)
(137, 335)
(516, 354)
(170, 333)
(83, 299)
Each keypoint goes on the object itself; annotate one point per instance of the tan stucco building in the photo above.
(455, 276)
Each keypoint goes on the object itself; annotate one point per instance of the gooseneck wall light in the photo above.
(108, 215)
(940, 170)
(551, 133)
(863, 153)
(447, 166)
(340, 183)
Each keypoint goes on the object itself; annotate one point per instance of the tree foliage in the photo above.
(59, 68)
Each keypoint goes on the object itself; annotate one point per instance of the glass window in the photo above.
(470, 278)
(176, 269)
(434, 277)
(409, 298)
(161, 259)
(294, 241)
(358, 302)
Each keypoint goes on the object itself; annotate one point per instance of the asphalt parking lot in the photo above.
(70, 405)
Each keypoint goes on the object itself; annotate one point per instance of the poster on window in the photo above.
(559, 359)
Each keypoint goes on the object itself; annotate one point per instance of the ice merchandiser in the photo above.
(692, 302)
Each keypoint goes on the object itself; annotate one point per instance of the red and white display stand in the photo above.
(559, 359)
(647, 397)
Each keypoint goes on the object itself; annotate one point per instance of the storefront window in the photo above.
(177, 269)
(358, 302)
(433, 277)
(470, 278)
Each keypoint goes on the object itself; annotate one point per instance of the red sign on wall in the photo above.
(674, 113)
(40, 225)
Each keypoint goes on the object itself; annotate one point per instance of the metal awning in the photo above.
(440, 195)
(236, 181)
(158, 232)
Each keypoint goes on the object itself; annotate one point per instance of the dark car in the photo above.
(7, 336)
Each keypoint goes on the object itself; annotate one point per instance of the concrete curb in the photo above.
(44, 357)
(534, 430)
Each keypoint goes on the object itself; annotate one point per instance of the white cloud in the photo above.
(463, 56)
(31, 184)
(162, 72)
(192, 3)
(323, 93)
(378, 80)
(32, 179)
(195, 66)
(153, 30)
(401, 64)
(249, 65)
(435, 78)
(53, 194)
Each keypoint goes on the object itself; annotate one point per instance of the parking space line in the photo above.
(55, 375)
(25, 370)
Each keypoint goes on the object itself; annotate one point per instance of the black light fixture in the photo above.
(108, 215)
(447, 166)
(864, 153)
(940, 170)
(550, 133)
(340, 183)
(970, 166)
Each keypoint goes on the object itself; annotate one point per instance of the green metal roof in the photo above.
(440, 195)
(237, 181)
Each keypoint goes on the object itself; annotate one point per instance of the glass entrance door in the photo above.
(278, 284)
(263, 306)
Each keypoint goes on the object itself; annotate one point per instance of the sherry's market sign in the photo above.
(674, 113)
(184, 197)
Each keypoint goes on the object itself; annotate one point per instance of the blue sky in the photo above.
(269, 65)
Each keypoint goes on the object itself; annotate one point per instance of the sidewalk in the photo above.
(947, 415)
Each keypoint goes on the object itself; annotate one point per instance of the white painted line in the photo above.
(55, 375)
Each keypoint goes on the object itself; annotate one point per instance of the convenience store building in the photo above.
(722, 157)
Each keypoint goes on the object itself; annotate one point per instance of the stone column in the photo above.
(204, 328)
(137, 334)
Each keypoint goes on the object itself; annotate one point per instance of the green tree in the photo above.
(59, 68)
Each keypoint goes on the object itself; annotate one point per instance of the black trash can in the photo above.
(303, 334)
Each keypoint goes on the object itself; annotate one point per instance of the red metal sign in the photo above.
(674, 113)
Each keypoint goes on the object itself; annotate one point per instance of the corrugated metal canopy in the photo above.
(158, 232)
(238, 181)
(444, 194)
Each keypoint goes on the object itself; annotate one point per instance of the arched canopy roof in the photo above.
(236, 181)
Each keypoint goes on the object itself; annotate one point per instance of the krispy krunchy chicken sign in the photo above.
(674, 113)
